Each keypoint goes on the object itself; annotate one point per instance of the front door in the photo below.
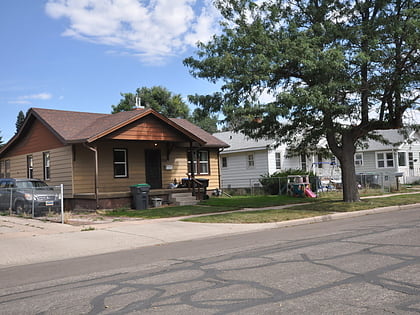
(153, 169)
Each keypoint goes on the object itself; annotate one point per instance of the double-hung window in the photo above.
(2, 169)
(358, 159)
(402, 159)
(200, 162)
(224, 161)
(120, 163)
(384, 159)
(46, 162)
(278, 160)
(29, 166)
(250, 161)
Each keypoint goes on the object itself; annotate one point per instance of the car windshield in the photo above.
(31, 184)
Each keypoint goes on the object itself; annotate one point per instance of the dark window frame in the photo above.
(30, 166)
(46, 162)
(278, 160)
(116, 164)
(224, 162)
(196, 157)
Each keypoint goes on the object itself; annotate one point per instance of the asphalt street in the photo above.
(363, 265)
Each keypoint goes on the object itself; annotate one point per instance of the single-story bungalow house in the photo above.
(246, 160)
(382, 162)
(97, 157)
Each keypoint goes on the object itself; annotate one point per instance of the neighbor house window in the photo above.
(46, 159)
(384, 159)
(358, 159)
(30, 166)
(200, 158)
(410, 160)
(1, 169)
(402, 159)
(120, 163)
(303, 162)
(224, 161)
(319, 161)
(278, 160)
(250, 161)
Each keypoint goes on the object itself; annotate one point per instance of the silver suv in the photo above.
(21, 194)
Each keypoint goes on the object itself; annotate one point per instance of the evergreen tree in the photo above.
(301, 70)
(19, 121)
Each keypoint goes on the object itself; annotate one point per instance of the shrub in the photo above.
(276, 183)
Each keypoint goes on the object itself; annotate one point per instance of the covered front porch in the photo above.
(115, 200)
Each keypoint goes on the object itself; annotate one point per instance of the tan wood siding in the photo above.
(60, 168)
(84, 166)
(149, 128)
(178, 161)
(83, 170)
(38, 139)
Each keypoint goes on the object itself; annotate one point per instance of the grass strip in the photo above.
(321, 207)
(212, 205)
(258, 216)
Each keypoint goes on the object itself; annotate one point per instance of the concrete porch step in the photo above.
(184, 199)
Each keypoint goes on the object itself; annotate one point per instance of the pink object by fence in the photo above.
(310, 193)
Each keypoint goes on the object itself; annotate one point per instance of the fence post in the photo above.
(62, 202)
(33, 203)
(11, 201)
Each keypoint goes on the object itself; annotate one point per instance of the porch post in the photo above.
(96, 179)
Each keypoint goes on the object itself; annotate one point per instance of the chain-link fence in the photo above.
(35, 202)
(319, 185)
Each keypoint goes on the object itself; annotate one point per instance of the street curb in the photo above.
(345, 215)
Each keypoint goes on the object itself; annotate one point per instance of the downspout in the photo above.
(95, 151)
(219, 167)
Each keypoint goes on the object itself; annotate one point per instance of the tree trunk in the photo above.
(348, 171)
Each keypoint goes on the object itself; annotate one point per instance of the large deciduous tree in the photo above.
(311, 69)
(168, 104)
(157, 98)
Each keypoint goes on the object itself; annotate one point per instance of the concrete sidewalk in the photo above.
(27, 241)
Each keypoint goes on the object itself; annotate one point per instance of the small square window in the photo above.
(358, 159)
(120, 163)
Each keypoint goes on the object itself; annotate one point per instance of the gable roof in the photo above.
(240, 143)
(79, 127)
(395, 138)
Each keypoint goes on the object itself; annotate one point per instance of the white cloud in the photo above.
(40, 96)
(19, 102)
(152, 29)
(26, 99)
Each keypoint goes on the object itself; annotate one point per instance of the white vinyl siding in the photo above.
(238, 175)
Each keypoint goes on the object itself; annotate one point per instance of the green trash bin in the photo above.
(140, 193)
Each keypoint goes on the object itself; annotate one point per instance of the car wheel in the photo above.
(19, 207)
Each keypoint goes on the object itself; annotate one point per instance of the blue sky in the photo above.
(80, 54)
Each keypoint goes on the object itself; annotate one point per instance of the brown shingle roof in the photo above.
(72, 126)
(210, 140)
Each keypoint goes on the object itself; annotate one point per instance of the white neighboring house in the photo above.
(243, 163)
(387, 160)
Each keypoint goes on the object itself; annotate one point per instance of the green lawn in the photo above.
(321, 206)
(212, 205)
(326, 204)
